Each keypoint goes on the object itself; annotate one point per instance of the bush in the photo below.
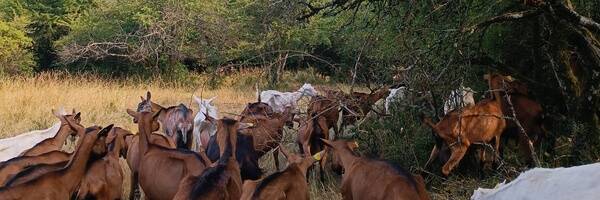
(15, 57)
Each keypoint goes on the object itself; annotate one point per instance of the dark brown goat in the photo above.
(56, 142)
(290, 183)
(359, 104)
(370, 179)
(267, 132)
(177, 121)
(480, 123)
(62, 183)
(222, 181)
(104, 179)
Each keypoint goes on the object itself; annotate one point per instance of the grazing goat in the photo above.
(480, 123)
(327, 109)
(267, 132)
(222, 181)
(15, 146)
(459, 98)
(579, 182)
(290, 183)
(104, 178)
(202, 128)
(13, 166)
(160, 170)
(358, 104)
(395, 95)
(177, 121)
(56, 142)
(310, 133)
(280, 100)
(370, 179)
(62, 183)
(256, 109)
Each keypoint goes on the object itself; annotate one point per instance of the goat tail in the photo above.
(420, 186)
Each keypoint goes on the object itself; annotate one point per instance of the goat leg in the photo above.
(458, 152)
(434, 152)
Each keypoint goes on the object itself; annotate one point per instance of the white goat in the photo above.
(201, 126)
(395, 95)
(280, 100)
(579, 182)
(459, 98)
(14, 146)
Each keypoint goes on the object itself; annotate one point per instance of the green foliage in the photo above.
(15, 57)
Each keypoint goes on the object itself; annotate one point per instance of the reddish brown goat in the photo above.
(56, 142)
(328, 109)
(359, 104)
(222, 181)
(62, 183)
(370, 179)
(104, 179)
(480, 123)
(13, 166)
(160, 170)
(289, 184)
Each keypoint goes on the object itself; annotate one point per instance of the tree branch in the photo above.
(512, 16)
(574, 17)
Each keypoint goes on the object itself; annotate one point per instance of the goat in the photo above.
(267, 132)
(56, 142)
(13, 166)
(479, 123)
(459, 98)
(15, 146)
(203, 129)
(362, 174)
(310, 132)
(177, 121)
(327, 109)
(578, 182)
(395, 95)
(222, 181)
(290, 183)
(280, 100)
(358, 104)
(246, 155)
(60, 184)
(104, 178)
(160, 170)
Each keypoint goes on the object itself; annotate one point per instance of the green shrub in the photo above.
(15, 57)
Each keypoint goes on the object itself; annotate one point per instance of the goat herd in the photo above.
(176, 155)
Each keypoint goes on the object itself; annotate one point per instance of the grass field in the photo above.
(27, 103)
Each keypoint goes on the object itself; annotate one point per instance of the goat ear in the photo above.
(77, 117)
(132, 113)
(212, 99)
(197, 100)
(148, 95)
(318, 156)
(352, 144)
(284, 151)
(105, 130)
(75, 126)
(244, 125)
(326, 142)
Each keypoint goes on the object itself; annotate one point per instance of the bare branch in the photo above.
(512, 16)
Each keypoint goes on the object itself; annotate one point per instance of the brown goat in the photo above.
(13, 166)
(62, 183)
(222, 181)
(290, 183)
(480, 123)
(104, 179)
(56, 142)
(370, 179)
(326, 108)
(267, 132)
(160, 170)
(177, 121)
(359, 104)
